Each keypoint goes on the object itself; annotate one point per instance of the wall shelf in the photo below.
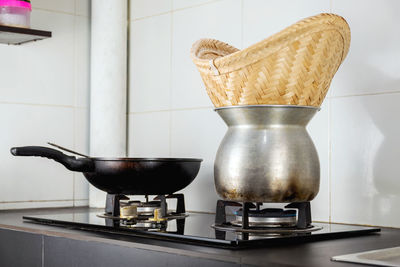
(17, 36)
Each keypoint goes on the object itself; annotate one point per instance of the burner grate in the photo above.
(250, 216)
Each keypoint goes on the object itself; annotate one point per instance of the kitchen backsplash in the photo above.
(355, 132)
(44, 93)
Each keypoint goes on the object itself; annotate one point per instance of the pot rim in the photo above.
(265, 106)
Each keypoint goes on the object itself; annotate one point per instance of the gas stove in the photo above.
(235, 225)
(147, 215)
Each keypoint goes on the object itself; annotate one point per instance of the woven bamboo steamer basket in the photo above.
(292, 67)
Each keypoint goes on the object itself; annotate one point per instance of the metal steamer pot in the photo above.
(267, 155)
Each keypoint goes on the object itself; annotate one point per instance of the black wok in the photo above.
(129, 176)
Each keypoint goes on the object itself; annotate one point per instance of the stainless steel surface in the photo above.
(267, 155)
(267, 221)
(380, 257)
(146, 210)
(262, 231)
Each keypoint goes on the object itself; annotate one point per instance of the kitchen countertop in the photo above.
(304, 254)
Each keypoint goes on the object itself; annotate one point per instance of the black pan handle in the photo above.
(70, 162)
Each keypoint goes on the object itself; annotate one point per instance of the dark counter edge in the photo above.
(225, 244)
(12, 220)
(18, 224)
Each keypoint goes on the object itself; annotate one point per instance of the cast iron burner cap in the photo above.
(269, 213)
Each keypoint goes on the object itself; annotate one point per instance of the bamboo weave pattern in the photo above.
(292, 67)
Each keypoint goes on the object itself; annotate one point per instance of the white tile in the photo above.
(150, 64)
(82, 61)
(177, 4)
(189, 25)
(41, 72)
(81, 203)
(372, 65)
(149, 135)
(197, 134)
(318, 129)
(365, 152)
(32, 178)
(81, 130)
(146, 8)
(81, 187)
(262, 18)
(36, 204)
(82, 7)
(66, 6)
(81, 144)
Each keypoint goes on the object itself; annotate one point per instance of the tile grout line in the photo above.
(176, 10)
(198, 5)
(241, 23)
(170, 134)
(166, 110)
(170, 81)
(330, 157)
(59, 12)
(40, 201)
(151, 16)
(81, 107)
(178, 109)
(128, 84)
(74, 55)
(38, 105)
(211, 107)
(366, 94)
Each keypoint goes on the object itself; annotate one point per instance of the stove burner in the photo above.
(129, 212)
(115, 201)
(143, 208)
(250, 219)
(148, 208)
(267, 218)
(149, 215)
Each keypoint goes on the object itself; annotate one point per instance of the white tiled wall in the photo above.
(44, 89)
(355, 132)
(188, 25)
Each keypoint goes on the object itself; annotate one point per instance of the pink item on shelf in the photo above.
(15, 13)
(16, 3)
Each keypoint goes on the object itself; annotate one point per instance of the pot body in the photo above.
(267, 155)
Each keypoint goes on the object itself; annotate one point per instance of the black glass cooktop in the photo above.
(196, 229)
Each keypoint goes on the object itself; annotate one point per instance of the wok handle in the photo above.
(70, 162)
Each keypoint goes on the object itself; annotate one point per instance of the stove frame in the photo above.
(202, 234)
